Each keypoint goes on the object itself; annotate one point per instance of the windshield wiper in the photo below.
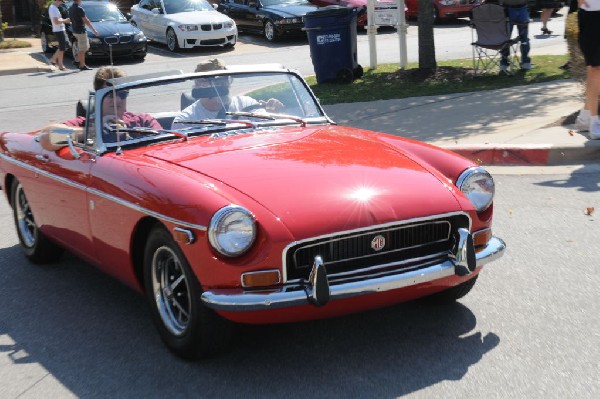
(268, 116)
(220, 122)
(145, 130)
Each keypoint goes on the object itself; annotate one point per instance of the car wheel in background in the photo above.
(269, 31)
(74, 48)
(186, 326)
(35, 245)
(232, 43)
(44, 41)
(172, 43)
(344, 75)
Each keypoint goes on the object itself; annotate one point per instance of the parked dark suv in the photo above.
(116, 34)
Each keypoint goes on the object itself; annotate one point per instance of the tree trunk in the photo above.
(1, 27)
(426, 40)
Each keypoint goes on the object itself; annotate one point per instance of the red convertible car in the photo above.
(247, 213)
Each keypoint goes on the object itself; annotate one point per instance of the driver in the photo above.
(214, 99)
(114, 110)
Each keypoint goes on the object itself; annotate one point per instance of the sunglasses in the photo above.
(123, 94)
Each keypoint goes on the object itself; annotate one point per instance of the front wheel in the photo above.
(455, 293)
(36, 247)
(172, 43)
(44, 41)
(187, 327)
(270, 31)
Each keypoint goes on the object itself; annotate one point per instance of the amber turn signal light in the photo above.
(481, 238)
(261, 279)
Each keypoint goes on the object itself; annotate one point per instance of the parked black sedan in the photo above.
(271, 18)
(116, 33)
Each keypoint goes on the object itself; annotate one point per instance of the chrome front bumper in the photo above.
(318, 292)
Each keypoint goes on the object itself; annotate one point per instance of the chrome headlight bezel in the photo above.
(232, 230)
(477, 184)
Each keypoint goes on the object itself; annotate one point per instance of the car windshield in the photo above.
(176, 6)
(150, 110)
(104, 13)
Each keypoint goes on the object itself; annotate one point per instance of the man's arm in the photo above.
(89, 24)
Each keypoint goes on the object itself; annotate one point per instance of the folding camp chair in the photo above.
(491, 25)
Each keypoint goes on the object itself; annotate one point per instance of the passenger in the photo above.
(214, 99)
(114, 109)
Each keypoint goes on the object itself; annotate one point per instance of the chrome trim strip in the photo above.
(364, 229)
(102, 194)
(239, 301)
(421, 259)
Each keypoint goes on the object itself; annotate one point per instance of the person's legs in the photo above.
(505, 52)
(57, 57)
(545, 17)
(592, 87)
(523, 29)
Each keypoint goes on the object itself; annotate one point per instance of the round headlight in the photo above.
(232, 230)
(478, 185)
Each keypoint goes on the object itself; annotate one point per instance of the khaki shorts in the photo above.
(83, 41)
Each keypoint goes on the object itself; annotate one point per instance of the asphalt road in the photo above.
(529, 329)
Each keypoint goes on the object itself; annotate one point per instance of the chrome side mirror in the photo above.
(61, 137)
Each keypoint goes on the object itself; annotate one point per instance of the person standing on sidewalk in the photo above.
(548, 7)
(58, 29)
(79, 21)
(518, 15)
(589, 41)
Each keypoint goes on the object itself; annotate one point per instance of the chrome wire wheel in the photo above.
(269, 31)
(24, 218)
(172, 44)
(171, 290)
(44, 42)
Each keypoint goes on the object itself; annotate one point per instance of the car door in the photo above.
(61, 197)
(158, 21)
(140, 17)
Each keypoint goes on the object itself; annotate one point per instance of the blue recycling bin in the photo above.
(331, 35)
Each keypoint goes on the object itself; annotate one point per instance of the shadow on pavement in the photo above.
(95, 337)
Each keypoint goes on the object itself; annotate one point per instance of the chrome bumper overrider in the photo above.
(318, 292)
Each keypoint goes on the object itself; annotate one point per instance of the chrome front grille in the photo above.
(118, 39)
(209, 27)
(356, 255)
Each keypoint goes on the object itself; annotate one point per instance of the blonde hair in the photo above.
(105, 73)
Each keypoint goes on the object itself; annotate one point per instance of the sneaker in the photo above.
(595, 127)
(582, 123)
(85, 68)
(526, 66)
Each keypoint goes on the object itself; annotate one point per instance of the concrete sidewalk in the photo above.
(522, 125)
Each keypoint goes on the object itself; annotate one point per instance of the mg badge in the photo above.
(378, 243)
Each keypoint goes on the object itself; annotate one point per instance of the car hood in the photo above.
(197, 17)
(319, 180)
(108, 28)
(290, 10)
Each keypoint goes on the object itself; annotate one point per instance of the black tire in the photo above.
(358, 72)
(36, 247)
(44, 42)
(344, 75)
(270, 32)
(188, 328)
(74, 49)
(455, 293)
(172, 42)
